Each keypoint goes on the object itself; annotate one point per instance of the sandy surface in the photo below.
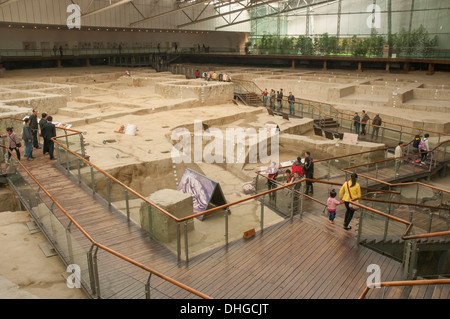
(25, 271)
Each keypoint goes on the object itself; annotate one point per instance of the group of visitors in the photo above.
(275, 99)
(420, 148)
(31, 129)
(212, 76)
(304, 168)
(360, 123)
(301, 168)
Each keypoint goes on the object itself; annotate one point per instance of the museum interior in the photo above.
(178, 126)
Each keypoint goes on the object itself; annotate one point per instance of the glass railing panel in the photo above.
(118, 279)
(439, 220)
(217, 228)
(79, 247)
(382, 233)
(128, 203)
(431, 257)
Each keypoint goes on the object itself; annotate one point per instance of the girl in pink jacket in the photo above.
(332, 202)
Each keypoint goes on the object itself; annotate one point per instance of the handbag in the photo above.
(351, 206)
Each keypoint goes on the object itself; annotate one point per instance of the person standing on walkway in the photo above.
(364, 120)
(291, 100)
(415, 148)
(297, 166)
(265, 95)
(272, 173)
(308, 170)
(27, 138)
(425, 149)
(272, 99)
(332, 202)
(350, 190)
(280, 99)
(376, 122)
(13, 142)
(41, 125)
(34, 128)
(398, 153)
(356, 123)
(49, 131)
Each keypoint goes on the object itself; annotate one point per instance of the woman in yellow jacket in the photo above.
(344, 195)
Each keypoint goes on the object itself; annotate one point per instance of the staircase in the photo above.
(250, 98)
(326, 123)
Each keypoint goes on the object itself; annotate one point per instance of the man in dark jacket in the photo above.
(376, 122)
(291, 100)
(308, 170)
(357, 123)
(49, 131)
(34, 128)
(42, 122)
(365, 118)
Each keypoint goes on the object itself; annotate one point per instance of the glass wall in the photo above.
(411, 28)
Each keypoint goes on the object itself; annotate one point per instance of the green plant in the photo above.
(305, 45)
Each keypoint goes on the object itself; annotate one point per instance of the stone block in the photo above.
(161, 226)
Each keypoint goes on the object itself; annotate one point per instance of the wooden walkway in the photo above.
(305, 258)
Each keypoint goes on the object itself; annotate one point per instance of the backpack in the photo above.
(421, 145)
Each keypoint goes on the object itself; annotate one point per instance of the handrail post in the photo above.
(67, 139)
(186, 245)
(127, 205)
(91, 270)
(67, 161)
(82, 145)
(261, 223)
(376, 170)
(361, 217)
(92, 179)
(108, 191)
(150, 220)
(430, 220)
(293, 194)
(147, 287)
(58, 152)
(329, 169)
(79, 170)
(69, 242)
(227, 211)
(302, 198)
(178, 242)
(97, 279)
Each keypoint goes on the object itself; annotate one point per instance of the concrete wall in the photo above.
(207, 93)
(14, 38)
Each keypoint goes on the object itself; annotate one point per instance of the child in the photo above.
(332, 202)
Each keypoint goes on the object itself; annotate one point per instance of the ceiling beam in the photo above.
(250, 6)
(156, 16)
(276, 13)
(121, 2)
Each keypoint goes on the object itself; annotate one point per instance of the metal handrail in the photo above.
(396, 158)
(157, 273)
(343, 113)
(405, 283)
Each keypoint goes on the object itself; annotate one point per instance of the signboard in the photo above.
(204, 191)
(350, 138)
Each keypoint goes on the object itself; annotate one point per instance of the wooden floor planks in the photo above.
(303, 258)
